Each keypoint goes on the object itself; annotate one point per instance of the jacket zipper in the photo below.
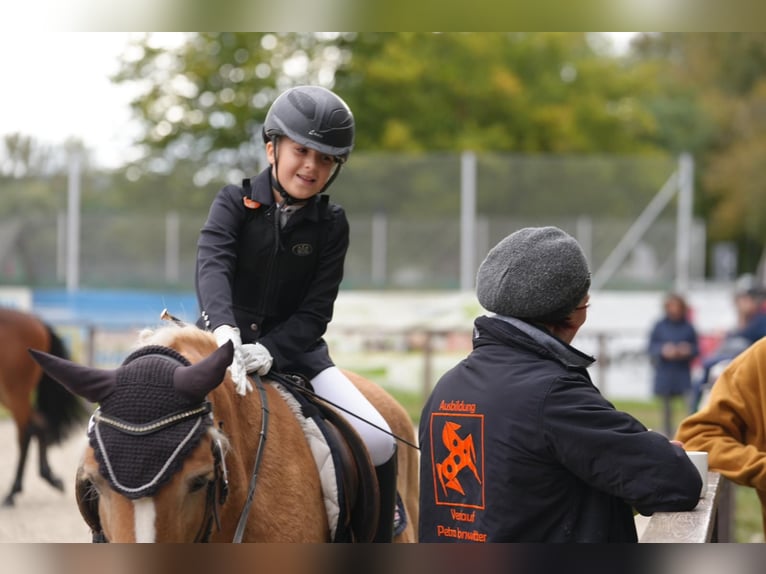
(267, 300)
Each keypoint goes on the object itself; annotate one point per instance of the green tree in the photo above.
(712, 102)
(202, 104)
(524, 92)
(33, 175)
(22, 155)
(204, 101)
(521, 92)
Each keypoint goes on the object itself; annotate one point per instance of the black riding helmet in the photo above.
(314, 117)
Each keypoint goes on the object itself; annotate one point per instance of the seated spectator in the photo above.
(731, 426)
(751, 326)
(517, 444)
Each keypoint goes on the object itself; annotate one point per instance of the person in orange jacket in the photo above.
(731, 427)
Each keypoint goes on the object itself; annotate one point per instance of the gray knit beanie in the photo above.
(536, 273)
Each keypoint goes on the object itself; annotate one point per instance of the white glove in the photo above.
(257, 358)
(237, 368)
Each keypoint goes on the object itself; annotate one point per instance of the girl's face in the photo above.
(303, 171)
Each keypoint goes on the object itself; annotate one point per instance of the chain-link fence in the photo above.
(406, 227)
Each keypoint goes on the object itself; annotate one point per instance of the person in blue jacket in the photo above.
(673, 345)
(749, 301)
(517, 444)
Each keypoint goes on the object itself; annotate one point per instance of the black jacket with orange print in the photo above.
(517, 445)
(277, 285)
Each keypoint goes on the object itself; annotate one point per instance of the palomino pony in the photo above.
(176, 455)
(53, 413)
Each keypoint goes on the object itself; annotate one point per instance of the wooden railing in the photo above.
(711, 521)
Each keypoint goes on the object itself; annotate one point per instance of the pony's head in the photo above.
(152, 420)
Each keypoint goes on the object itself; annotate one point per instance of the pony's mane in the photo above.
(178, 338)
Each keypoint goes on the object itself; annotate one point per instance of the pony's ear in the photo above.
(90, 383)
(196, 381)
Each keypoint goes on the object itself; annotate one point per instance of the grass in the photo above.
(748, 526)
(411, 401)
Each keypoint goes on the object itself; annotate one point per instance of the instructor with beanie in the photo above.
(517, 444)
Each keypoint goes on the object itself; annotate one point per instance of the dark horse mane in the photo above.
(63, 411)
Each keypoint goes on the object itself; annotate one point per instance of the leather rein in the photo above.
(221, 475)
(239, 533)
(220, 482)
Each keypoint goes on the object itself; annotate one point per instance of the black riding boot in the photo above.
(386, 474)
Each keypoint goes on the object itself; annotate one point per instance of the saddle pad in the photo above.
(322, 453)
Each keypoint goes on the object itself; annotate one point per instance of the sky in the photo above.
(57, 87)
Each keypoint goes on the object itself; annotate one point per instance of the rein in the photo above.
(206, 528)
(221, 477)
(286, 379)
(239, 533)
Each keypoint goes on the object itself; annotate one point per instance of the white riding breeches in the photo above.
(333, 386)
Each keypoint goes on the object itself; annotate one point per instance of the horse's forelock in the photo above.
(218, 435)
(144, 337)
(178, 338)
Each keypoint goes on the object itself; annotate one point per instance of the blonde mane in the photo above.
(174, 336)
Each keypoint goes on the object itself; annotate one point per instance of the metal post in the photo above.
(684, 221)
(636, 232)
(467, 220)
(603, 362)
(482, 236)
(61, 243)
(428, 355)
(90, 345)
(584, 234)
(73, 224)
(172, 246)
(379, 248)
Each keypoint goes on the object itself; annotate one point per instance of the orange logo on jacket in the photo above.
(457, 460)
(461, 454)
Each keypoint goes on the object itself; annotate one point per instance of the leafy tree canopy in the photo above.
(205, 100)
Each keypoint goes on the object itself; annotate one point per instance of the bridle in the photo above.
(217, 492)
(220, 483)
(217, 489)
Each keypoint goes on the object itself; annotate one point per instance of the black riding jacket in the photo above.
(517, 445)
(278, 285)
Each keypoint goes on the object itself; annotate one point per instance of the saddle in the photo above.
(354, 478)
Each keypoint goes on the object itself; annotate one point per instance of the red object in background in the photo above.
(708, 344)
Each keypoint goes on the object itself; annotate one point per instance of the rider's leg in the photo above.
(332, 385)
